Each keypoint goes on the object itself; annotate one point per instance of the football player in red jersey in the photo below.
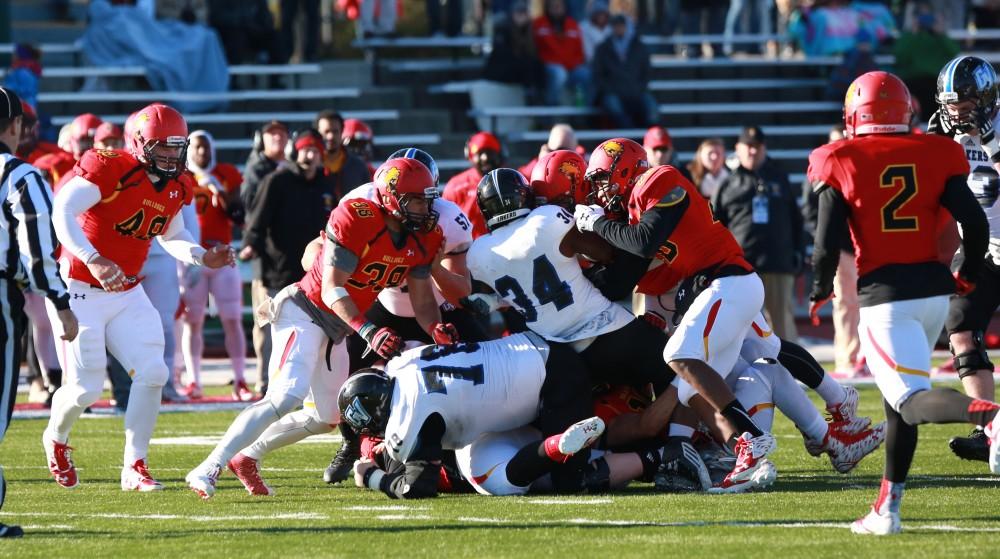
(370, 245)
(657, 213)
(81, 138)
(106, 217)
(889, 186)
(217, 201)
(484, 152)
(358, 137)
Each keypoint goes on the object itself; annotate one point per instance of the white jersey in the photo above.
(983, 182)
(457, 239)
(475, 387)
(522, 262)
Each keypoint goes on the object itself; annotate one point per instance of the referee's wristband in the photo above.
(373, 478)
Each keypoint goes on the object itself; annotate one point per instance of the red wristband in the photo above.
(357, 322)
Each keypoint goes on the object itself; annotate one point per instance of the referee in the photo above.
(27, 257)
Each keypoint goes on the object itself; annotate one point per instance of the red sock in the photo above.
(551, 445)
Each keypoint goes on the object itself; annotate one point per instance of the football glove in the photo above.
(817, 303)
(963, 286)
(586, 216)
(655, 320)
(444, 333)
(383, 341)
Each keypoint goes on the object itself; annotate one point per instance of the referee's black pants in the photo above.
(12, 325)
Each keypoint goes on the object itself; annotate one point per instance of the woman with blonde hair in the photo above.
(708, 168)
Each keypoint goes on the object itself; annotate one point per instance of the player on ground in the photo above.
(217, 201)
(890, 186)
(370, 245)
(106, 217)
(437, 398)
(967, 113)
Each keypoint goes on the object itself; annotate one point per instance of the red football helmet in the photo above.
(557, 179)
(357, 138)
(157, 136)
(82, 130)
(614, 167)
(401, 181)
(877, 103)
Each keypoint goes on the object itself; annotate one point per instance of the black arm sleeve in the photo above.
(962, 204)
(646, 237)
(418, 478)
(617, 279)
(830, 227)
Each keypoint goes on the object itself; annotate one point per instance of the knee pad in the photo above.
(968, 362)
(152, 373)
(87, 398)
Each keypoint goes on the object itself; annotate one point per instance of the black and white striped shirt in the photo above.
(27, 240)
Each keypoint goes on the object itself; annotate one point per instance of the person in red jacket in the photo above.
(484, 152)
(560, 46)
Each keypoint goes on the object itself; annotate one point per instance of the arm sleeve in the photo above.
(962, 204)
(75, 197)
(644, 238)
(179, 243)
(618, 279)
(830, 229)
(31, 205)
(190, 215)
(419, 478)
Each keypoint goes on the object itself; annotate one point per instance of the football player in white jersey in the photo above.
(394, 310)
(436, 398)
(967, 111)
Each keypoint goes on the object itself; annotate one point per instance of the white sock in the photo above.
(831, 391)
(793, 402)
(245, 429)
(194, 345)
(286, 431)
(140, 420)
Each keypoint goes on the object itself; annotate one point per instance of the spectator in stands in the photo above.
(659, 148)
(596, 28)
(109, 136)
(25, 73)
(188, 11)
(346, 170)
(760, 208)
(747, 17)
(485, 153)
(291, 208)
(81, 138)
(514, 59)
(832, 28)
(621, 69)
(561, 136)
(703, 17)
(357, 138)
(560, 47)
(453, 9)
(246, 29)
(382, 24)
(310, 27)
(708, 168)
(859, 60)
(921, 52)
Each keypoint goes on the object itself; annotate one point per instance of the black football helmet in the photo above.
(365, 401)
(967, 78)
(421, 156)
(504, 195)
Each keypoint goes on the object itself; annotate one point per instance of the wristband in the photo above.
(331, 296)
(373, 478)
(361, 326)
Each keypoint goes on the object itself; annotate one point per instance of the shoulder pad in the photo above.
(675, 196)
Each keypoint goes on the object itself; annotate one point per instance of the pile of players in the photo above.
(576, 393)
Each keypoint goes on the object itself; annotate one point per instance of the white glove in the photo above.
(586, 216)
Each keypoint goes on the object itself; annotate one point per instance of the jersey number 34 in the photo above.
(546, 286)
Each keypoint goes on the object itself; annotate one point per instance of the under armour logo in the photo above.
(409, 252)
(79, 295)
(174, 194)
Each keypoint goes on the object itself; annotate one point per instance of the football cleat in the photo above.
(193, 391)
(974, 447)
(993, 432)
(342, 464)
(846, 410)
(847, 448)
(682, 469)
(136, 478)
(241, 392)
(752, 470)
(580, 435)
(877, 524)
(202, 479)
(10, 531)
(247, 470)
(60, 464)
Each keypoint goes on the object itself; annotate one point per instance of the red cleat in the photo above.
(248, 471)
(60, 464)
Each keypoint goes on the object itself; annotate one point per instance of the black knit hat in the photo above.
(10, 103)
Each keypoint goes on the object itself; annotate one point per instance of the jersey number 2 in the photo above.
(895, 176)
(545, 284)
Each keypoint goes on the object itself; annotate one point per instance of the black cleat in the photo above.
(682, 469)
(7, 531)
(974, 447)
(343, 462)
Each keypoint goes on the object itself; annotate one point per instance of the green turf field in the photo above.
(950, 508)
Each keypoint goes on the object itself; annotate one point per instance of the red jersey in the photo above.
(216, 227)
(359, 226)
(564, 48)
(892, 186)
(41, 149)
(55, 165)
(697, 243)
(131, 211)
(461, 190)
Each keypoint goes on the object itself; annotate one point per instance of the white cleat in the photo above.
(580, 435)
(136, 478)
(753, 470)
(876, 524)
(847, 449)
(202, 480)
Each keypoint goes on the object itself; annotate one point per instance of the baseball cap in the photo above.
(310, 140)
(657, 137)
(751, 135)
(274, 124)
(10, 103)
(482, 141)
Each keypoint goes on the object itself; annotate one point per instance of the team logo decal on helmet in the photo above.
(613, 149)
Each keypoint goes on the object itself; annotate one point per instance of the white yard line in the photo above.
(185, 517)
